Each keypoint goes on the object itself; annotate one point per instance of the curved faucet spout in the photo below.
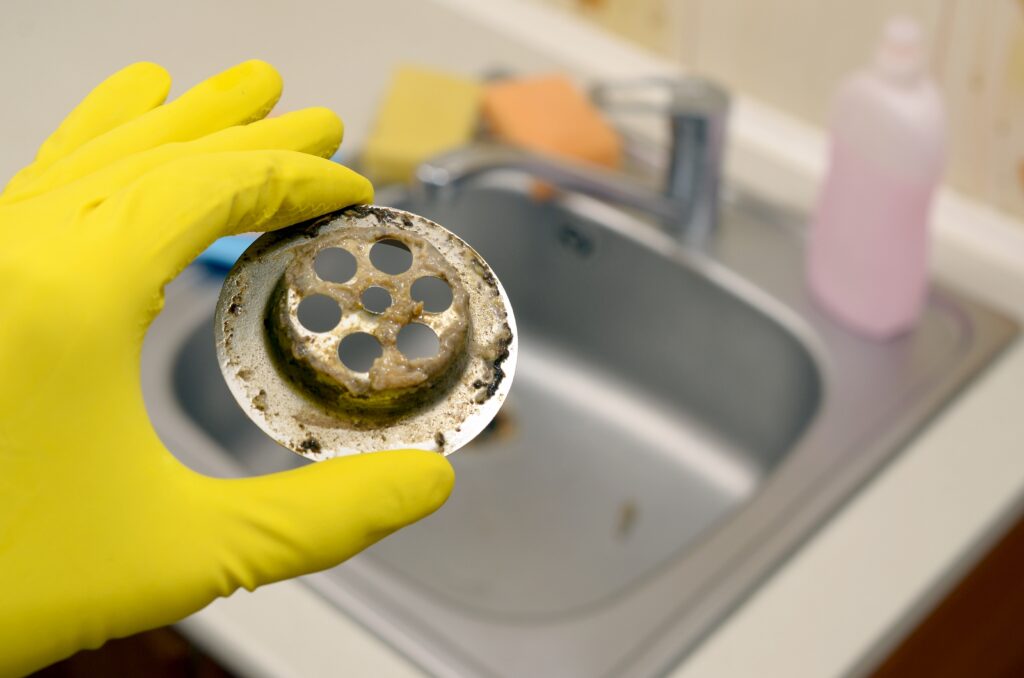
(446, 173)
(687, 207)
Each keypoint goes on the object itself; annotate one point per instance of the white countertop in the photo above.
(834, 607)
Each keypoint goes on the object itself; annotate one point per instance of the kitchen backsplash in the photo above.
(793, 53)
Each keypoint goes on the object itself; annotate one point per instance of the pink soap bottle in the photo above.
(868, 245)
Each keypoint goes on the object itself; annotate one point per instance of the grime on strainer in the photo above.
(301, 376)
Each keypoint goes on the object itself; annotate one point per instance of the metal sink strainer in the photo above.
(366, 329)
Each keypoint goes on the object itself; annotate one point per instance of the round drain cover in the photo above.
(367, 329)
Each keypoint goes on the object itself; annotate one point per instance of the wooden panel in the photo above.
(1006, 180)
(978, 630)
(646, 22)
(793, 53)
(161, 653)
(967, 72)
(997, 94)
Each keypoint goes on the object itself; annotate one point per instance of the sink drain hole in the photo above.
(416, 340)
(391, 256)
(334, 264)
(358, 351)
(376, 299)
(318, 313)
(435, 294)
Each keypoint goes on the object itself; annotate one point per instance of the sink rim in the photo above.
(756, 553)
(754, 540)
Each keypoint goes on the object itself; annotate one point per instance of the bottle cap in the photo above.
(901, 53)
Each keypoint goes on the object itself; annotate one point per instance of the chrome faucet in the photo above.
(697, 111)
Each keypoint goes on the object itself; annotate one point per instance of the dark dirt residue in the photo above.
(236, 303)
(499, 373)
(358, 210)
(384, 215)
(311, 445)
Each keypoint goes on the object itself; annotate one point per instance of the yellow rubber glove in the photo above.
(102, 532)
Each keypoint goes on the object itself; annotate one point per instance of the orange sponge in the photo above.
(550, 115)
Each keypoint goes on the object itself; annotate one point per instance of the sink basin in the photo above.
(680, 421)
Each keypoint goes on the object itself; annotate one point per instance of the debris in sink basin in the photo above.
(628, 513)
(499, 429)
(369, 328)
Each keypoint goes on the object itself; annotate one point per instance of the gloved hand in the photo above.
(102, 532)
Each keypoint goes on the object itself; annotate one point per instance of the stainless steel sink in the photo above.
(681, 420)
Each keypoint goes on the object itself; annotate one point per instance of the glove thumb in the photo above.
(287, 524)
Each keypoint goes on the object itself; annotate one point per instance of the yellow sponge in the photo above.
(424, 113)
(549, 114)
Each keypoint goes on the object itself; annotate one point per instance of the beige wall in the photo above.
(792, 53)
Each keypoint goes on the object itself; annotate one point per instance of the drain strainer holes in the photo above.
(416, 340)
(435, 294)
(334, 264)
(318, 313)
(391, 256)
(414, 348)
(358, 351)
(376, 299)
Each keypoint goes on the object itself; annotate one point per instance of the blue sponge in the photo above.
(222, 254)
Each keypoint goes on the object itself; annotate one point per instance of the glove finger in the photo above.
(123, 96)
(287, 524)
(170, 215)
(239, 95)
(316, 131)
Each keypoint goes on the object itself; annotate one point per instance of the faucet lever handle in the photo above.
(697, 110)
(689, 96)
